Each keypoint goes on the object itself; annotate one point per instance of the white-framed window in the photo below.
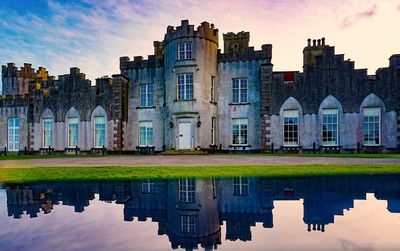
(239, 131)
(148, 186)
(145, 133)
(239, 90)
(13, 134)
(291, 127)
(185, 86)
(73, 132)
(213, 130)
(48, 132)
(188, 224)
(372, 126)
(330, 127)
(240, 186)
(186, 190)
(146, 95)
(213, 89)
(185, 51)
(99, 131)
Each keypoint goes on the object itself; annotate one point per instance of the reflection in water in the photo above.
(191, 211)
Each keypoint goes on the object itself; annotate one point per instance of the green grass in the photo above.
(339, 155)
(61, 174)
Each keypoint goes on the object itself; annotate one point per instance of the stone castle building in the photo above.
(190, 94)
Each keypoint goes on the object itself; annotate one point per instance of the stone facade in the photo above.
(190, 94)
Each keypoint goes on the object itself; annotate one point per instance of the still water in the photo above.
(325, 213)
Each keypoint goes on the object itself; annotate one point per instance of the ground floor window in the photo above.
(372, 126)
(330, 127)
(73, 133)
(291, 127)
(188, 224)
(239, 131)
(213, 131)
(13, 134)
(240, 186)
(186, 190)
(99, 131)
(145, 133)
(47, 132)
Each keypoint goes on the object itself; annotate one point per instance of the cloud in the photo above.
(351, 20)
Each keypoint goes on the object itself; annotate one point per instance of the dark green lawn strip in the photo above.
(61, 174)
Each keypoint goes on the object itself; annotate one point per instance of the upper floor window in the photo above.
(291, 127)
(185, 86)
(99, 131)
(239, 131)
(330, 127)
(146, 95)
(145, 133)
(185, 51)
(13, 134)
(239, 90)
(372, 126)
(47, 132)
(73, 132)
(186, 190)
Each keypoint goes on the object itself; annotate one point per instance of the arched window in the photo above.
(329, 111)
(99, 125)
(47, 128)
(290, 113)
(72, 119)
(372, 109)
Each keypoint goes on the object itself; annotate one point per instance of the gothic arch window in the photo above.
(291, 114)
(72, 124)
(372, 109)
(99, 127)
(330, 112)
(47, 125)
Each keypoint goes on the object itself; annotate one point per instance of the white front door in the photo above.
(185, 135)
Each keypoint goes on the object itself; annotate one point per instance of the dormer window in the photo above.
(185, 51)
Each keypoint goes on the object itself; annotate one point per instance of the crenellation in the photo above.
(204, 31)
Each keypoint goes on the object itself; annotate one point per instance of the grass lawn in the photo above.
(61, 174)
(13, 156)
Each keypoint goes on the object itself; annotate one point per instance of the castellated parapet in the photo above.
(204, 31)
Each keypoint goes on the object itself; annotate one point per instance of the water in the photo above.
(327, 213)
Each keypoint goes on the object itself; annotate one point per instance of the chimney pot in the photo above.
(323, 41)
(314, 42)
(309, 42)
(319, 42)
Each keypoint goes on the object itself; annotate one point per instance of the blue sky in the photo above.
(92, 35)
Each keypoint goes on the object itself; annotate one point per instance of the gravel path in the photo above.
(193, 160)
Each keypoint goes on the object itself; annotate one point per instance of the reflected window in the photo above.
(372, 126)
(240, 186)
(239, 131)
(185, 86)
(188, 224)
(47, 132)
(146, 95)
(73, 132)
(148, 186)
(13, 134)
(99, 131)
(186, 190)
(239, 90)
(291, 127)
(330, 127)
(145, 133)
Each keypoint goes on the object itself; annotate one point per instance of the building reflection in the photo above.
(191, 211)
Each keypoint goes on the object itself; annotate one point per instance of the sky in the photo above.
(93, 34)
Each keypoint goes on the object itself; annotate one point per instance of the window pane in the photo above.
(290, 127)
(47, 132)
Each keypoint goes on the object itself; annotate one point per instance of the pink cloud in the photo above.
(349, 21)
